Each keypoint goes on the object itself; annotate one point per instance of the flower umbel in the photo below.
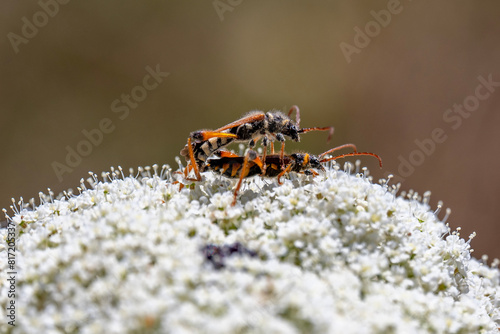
(333, 253)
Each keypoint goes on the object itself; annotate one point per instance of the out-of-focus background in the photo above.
(417, 82)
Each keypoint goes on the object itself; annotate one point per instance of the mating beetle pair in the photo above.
(268, 127)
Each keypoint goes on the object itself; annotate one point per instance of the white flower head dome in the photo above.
(331, 254)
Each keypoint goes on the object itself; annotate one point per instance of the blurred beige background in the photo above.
(385, 85)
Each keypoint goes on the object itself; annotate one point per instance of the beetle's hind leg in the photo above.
(250, 157)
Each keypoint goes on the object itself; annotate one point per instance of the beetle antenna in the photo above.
(338, 148)
(354, 154)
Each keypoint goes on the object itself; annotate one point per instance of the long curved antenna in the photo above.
(297, 122)
(338, 148)
(297, 115)
(354, 154)
(329, 128)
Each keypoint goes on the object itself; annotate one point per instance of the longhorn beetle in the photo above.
(234, 166)
(257, 125)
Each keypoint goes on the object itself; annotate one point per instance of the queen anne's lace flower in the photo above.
(334, 253)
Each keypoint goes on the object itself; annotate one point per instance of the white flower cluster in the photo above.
(330, 254)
